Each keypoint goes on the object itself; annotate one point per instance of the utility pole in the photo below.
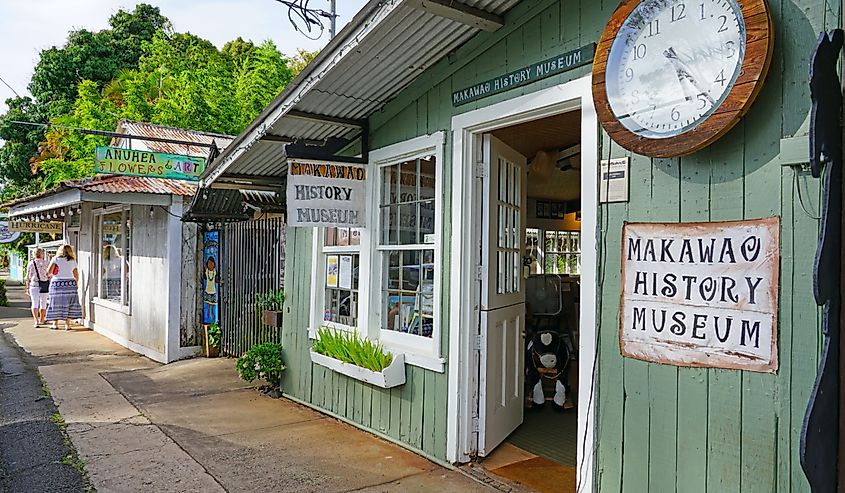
(333, 20)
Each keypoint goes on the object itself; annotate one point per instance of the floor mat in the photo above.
(549, 433)
(541, 474)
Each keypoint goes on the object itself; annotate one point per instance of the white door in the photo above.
(502, 316)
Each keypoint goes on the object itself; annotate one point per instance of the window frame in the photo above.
(419, 350)
(125, 304)
(318, 286)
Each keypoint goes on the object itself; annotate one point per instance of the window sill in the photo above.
(413, 356)
(111, 305)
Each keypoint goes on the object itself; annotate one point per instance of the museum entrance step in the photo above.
(517, 465)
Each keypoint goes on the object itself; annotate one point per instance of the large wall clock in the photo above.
(672, 76)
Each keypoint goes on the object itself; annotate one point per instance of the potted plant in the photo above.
(212, 340)
(263, 362)
(271, 304)
(358, 358)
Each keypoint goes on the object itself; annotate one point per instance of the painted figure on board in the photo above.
(210, 313)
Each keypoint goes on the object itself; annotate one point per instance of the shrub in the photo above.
(262, 361)
(4, 301)
(349, 348)
(214, 335)
(271, 300)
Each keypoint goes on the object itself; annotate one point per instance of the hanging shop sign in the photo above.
(326, 194)
(50, 227)
(701, 294)
(117, 161)
(532, 73)
(6, 235)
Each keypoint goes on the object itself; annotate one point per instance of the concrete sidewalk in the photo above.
(194, 426)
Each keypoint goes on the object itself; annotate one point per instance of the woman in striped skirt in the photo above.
(64, 296)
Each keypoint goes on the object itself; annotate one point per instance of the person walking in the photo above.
(64, 298)
(38, 286)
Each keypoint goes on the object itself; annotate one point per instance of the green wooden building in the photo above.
(483, 210)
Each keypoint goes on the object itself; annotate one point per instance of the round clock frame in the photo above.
(759, 45)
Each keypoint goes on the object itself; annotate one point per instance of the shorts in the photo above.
(39, 300)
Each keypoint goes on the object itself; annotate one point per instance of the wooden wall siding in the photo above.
(658, 427)
(414, 413)
(191, 273)
(251, 263)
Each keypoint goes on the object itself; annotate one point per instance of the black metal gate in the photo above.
(252, 255)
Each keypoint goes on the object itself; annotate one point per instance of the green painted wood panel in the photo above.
(658, 428)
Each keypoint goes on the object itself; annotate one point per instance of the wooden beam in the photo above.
(276, 138)
(460, 12)
(334, 120)
(273, 181)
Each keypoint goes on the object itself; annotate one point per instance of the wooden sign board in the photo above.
(117, 161)
(326, 194)
(701, 294)
(50, 227)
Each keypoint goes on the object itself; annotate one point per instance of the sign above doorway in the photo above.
(526, 75)
(50, 227)
(117, 161)
(701, 294)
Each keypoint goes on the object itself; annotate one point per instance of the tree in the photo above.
(302, 58)
(261, 77)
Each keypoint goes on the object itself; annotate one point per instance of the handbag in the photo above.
(43, 286)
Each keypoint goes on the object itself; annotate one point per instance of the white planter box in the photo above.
(392, 376)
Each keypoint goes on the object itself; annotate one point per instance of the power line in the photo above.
(103, 133)
(300, 13)
(10, 87)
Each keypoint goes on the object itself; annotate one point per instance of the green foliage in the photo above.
(271, 300)
(264, 362)
(137, 69)
(349, 348)
(301, 59)
(214, 335)
(4, 300)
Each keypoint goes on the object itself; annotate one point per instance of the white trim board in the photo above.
(463, 380)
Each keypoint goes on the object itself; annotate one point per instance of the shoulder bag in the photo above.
(43, 286)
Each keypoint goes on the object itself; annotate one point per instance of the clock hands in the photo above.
(684, 72)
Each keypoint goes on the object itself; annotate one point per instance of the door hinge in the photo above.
(479, 343)
(481, 170)
(480, 271)
(476, 427)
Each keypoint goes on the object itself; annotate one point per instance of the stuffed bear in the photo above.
(546, 349)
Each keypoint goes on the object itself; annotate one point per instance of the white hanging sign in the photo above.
(701, 294)
(326, 194)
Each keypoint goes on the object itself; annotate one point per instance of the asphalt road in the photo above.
(33, 453)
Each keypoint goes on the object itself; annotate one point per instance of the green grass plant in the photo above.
(349, 348)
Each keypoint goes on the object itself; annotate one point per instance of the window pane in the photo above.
(408, 297)
(408, 202)
(341, 296)
(113, 249)
(427, 170)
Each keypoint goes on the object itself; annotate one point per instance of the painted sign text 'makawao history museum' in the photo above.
(326, 194)
(701, 294)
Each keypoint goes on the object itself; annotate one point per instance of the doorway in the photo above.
(528, 315)
(488, 353)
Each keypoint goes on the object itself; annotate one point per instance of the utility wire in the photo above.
(299, 13)
(103, 133)
(10, 87)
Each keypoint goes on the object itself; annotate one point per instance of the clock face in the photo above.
(673, 63)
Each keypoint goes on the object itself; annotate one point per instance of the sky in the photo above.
(29, 26)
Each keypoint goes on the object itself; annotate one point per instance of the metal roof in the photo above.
(228, 204)
(133, 184)
(378, 54)
(163, 132)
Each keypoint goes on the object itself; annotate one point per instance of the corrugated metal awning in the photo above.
(378, 54)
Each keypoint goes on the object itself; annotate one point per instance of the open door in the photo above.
(502, 316)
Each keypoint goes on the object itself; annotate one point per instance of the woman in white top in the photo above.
(64, 296)
(36, 274)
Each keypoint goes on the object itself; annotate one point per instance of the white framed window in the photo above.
(554, 252)
(113, 235)
(407, 205)
(393, 295)
(338, 270)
